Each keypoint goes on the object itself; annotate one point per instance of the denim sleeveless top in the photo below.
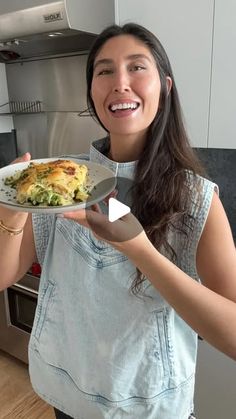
(96, 350)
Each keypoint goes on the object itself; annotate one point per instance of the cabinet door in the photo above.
(6, 123)
(185, 30)
(222, 132)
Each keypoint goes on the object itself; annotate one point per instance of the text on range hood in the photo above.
(54, 28)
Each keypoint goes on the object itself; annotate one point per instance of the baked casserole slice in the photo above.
(59, 182)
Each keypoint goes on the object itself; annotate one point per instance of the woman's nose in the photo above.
(121, 82)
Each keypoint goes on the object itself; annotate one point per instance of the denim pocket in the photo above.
(166, 344)
(42, 307)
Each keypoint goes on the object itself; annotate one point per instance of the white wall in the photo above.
(215, 395)
(222, 123)
(6, 122)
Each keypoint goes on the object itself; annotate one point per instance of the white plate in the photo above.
(102, 181)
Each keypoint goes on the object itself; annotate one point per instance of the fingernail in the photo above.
(60, 215)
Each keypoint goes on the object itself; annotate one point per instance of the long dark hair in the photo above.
(161, 193)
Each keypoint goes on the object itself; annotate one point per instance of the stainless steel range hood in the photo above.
(55, 28)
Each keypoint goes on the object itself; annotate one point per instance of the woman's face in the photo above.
(126, 86)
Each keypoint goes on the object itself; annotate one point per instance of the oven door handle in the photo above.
(23, 288)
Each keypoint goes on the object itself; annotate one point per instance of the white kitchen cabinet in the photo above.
(6, 122)
(215, 395)
(222, 127)
(185, 30)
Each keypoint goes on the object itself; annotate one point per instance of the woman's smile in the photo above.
(123, 108)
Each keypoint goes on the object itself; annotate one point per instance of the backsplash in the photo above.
(221, 168)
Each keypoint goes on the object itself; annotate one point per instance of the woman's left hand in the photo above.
(123, 233)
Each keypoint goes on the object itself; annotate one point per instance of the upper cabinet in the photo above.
(222, 126)
(185, 30)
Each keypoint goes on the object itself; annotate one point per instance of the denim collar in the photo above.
(98, 154)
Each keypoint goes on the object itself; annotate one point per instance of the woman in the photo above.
(110, 340)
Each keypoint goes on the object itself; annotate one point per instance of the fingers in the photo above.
(26, 157)
(93, 219)
(96, 208)
(79, 216)
(113, 194)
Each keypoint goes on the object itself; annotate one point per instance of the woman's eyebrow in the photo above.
(102, 61)
(108, 61)
(137, 56)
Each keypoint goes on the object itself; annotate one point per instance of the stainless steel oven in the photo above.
(17, 310)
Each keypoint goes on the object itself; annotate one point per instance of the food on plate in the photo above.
(58, 182)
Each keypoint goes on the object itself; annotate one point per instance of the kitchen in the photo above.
(62, 111)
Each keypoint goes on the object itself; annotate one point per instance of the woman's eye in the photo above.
(137, 68)
(103, 72)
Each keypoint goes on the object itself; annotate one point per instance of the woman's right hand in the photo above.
(26, 157)
(18, 248)
(11, 218)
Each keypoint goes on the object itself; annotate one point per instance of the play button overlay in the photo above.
(116, 209)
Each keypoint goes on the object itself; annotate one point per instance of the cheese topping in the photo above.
(59, 182)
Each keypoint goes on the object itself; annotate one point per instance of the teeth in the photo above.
(124, 106)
